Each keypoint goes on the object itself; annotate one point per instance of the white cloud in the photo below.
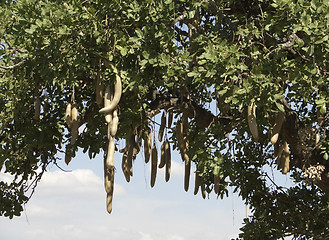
(5, 177)
(144, 236)
(175, 237)
(76, 183)
(71, 206)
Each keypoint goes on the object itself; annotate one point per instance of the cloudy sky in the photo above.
(71, 205)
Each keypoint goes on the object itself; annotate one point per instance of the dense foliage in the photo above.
(205, 60)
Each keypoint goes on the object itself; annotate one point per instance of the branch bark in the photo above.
(202, 117)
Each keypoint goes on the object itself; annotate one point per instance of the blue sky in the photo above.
(71, 205)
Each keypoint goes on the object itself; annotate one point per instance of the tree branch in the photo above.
(203, 117)
(13, 66)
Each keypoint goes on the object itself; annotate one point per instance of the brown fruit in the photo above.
(276, 149)
(168, 159)
(130, 156)
(317, 140)
(181, 141)
(75, 125)
(68, 115)
(197, 183)
(278, 160)
(116, 97)
(147, 144)
(277, 127)
(285, 158)
(163, 156)
(114, 123)
(203, 191)
(109, 166)
(170, 118)
(68, 156)
(138, 143)
(162, 126)
(252, 121)
(179, 136)
(154, 165)
(74, 114)
(74, 132)
(124, 167)
(107, 101)
(187, 174)
(109, 198)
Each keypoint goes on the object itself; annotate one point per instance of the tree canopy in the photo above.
(245, 82)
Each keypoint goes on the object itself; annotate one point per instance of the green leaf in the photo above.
(323, 109)
(32, 29)
(191, 74)
(222, 92)
(279, 106)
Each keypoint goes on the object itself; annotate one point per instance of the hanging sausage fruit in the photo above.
(111, 117)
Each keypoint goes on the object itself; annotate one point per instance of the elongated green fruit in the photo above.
(277, 127)
(168, 159)
(116, 97)
(252, 121)
(154, 165)
(162, 126)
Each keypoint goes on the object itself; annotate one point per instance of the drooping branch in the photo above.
(203, 117)
(298, 136)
